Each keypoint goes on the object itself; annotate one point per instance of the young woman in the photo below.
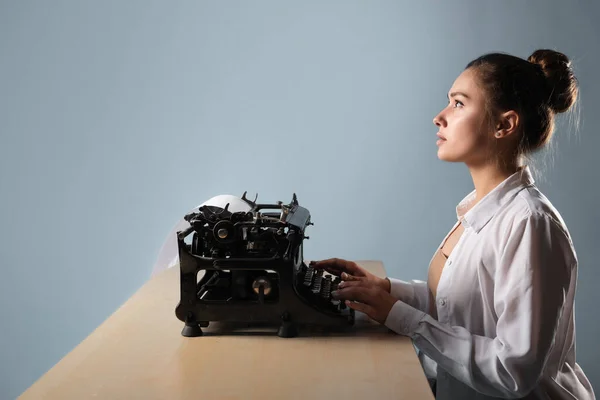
(496, 313)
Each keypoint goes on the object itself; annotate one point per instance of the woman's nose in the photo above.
(438, 120)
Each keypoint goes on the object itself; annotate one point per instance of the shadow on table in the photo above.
(363, 326)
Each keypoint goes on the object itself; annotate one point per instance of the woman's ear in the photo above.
(508, 124)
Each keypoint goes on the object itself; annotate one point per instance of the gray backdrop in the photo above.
(117, 117)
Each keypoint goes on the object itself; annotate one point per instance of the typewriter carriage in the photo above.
(253, 271)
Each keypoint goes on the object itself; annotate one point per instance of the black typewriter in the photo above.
(248, 267)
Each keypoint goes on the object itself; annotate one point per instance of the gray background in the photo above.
(117, 117)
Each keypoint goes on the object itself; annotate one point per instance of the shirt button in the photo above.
(443, 302)
(449, 262)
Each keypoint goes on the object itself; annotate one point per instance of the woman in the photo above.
(496, 313)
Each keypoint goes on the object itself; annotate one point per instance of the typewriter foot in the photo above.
(287, 329)
(192, 328)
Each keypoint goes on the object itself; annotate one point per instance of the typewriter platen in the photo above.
(253, 271)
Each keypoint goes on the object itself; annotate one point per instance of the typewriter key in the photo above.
(308, 277)
(326, 287)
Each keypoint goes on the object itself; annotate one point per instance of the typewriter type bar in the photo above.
(253, 271)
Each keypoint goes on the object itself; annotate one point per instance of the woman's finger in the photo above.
(338, 264)
(364, 308)
(349, 283)
(326, 267)
(347, 277)
(332, 269)
(355, 293)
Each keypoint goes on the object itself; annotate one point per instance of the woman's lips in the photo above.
(441, 139)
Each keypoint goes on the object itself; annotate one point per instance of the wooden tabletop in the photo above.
(139, 353)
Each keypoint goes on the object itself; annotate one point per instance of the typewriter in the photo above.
(248, 267)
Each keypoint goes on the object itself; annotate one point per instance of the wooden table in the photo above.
(139, 353)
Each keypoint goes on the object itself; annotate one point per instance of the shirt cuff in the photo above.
(401, 290)
(404, 319)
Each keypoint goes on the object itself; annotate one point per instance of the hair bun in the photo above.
(560, 77)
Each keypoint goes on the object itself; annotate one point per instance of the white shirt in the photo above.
(505, 299)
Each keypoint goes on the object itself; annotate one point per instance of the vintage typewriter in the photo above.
(248, 267)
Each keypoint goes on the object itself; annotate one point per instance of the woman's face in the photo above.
(464, 134)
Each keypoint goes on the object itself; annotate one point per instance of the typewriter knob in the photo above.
(224, 231)
(264, 282)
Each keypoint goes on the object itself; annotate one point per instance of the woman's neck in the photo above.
(486, 177)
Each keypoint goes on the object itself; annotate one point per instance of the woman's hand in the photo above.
(365, 296)
(360, 289)
(346, 269)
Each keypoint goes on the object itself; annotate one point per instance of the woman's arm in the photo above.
(531, 283)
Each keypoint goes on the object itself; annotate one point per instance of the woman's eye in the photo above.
(457, 103)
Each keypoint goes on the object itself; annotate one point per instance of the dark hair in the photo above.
(537, 89)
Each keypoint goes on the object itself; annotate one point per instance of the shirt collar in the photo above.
(479, 215)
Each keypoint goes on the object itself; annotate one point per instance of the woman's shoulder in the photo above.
(532, 210)
(536, 205)
(530, 226)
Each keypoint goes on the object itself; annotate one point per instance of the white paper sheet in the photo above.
(169, 253)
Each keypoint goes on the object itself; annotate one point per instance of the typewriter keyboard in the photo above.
(318, 285)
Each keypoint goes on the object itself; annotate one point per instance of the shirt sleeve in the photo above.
(414, 293)
(532, 278)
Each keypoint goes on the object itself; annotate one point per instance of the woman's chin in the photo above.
(444, 156)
